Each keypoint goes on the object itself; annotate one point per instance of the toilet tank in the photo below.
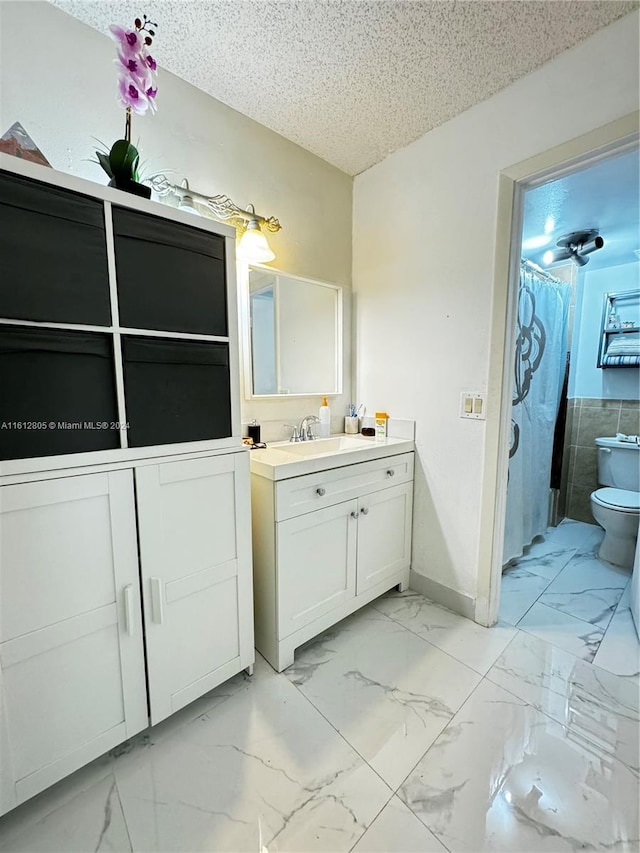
(618, 464)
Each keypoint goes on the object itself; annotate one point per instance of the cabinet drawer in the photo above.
(316, 491)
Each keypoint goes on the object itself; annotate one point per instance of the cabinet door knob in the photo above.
(364, 510)
(321, 491)
(390, 472)
(354, 514)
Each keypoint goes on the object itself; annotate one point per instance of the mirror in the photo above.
(295, 335)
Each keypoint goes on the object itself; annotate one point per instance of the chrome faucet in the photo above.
(295, 432)
(306, 430)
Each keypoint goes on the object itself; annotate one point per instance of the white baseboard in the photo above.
(441, 594)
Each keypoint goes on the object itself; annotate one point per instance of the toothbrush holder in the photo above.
(351, 425)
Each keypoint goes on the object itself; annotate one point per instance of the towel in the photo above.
(621, 361)
(624, 345)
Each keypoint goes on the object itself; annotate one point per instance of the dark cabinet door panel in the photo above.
(57, 392)
(175, 390)
(170, 277)
(53, 255)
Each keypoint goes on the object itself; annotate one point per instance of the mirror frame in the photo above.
(245, 333)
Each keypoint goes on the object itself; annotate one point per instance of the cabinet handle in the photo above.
(390, 472)
(354, 514)
(157, 603)
(321, 491)
(128, 609)
(364, 510)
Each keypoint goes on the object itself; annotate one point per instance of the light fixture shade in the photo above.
(187, 206)
(253, 246)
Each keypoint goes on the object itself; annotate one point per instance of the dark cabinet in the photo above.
(169, 285)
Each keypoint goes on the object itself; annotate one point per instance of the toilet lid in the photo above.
(621, 498)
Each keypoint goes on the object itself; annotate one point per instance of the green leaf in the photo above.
(103, 159)
(100, 142)
(123, 159)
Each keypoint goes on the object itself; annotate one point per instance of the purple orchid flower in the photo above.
(136, 69)
(136, 66)
(151, 95)
(128, 41)
(132, 96)
(128, 63)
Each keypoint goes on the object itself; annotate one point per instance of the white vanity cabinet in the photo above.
(325, 544)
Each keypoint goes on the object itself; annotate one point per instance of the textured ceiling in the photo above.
(354, 80)
(604, 195)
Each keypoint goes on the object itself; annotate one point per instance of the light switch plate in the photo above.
(473, 404)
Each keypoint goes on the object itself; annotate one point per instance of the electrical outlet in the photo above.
(473, 404)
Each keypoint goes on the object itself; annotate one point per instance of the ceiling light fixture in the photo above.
(253, 245)
(574, 247)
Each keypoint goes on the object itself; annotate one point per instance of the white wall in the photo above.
(58, 79)
(424, 241)
(587, 380)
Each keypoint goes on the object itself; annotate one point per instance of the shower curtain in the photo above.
(541, 349)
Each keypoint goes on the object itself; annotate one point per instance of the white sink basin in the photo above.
(294, 459)
(322, 446)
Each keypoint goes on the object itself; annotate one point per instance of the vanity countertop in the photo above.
(286, 459)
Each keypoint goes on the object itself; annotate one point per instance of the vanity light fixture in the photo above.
(253, 246)
(186, 202)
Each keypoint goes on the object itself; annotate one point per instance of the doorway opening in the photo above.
(553, 187)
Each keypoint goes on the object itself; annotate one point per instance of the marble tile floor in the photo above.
(561, 592)
(404, 728)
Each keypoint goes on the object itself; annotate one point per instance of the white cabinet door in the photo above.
(72, 681)
(384, 534)
(195, 550)
(316, 564)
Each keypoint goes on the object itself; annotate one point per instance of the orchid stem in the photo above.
(127, 125)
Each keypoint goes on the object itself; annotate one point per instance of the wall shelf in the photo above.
(620, 343)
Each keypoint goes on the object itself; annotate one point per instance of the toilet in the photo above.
(617, 507)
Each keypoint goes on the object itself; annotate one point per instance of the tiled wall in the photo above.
(587, 419)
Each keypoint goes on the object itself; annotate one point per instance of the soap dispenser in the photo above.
(324, 415)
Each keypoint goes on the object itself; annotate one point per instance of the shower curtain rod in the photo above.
(539, 271)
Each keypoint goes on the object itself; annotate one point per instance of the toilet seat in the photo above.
(622, 500)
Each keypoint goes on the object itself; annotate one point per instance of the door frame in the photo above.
(613, 138)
